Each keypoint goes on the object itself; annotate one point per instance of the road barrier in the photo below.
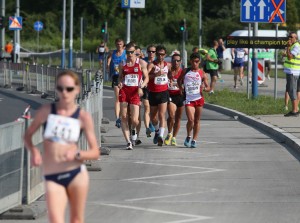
(21, 184)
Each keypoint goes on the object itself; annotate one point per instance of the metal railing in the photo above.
(19, 182)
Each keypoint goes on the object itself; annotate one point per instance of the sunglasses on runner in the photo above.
(68, 89)
(149, 51)
(129, 52)
(176, 61)
(161, 54)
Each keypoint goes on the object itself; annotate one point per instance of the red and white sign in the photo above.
(261, 71)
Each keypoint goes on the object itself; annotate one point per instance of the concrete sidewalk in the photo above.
(285, 129)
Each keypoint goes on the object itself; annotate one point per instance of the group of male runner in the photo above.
(166, 87)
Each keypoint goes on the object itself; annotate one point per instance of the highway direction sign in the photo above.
(264, 11)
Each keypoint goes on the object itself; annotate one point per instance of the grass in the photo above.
(262, 105)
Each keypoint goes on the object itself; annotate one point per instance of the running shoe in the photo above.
(155, 137)
(292, 114)
(173, 142)
(151, 127)
(138, 142)
(193, 144)
(187, 141)
(148, 132)
(168, 139)
(160, 141)
(118, 123)
(129, 146)
(269, 78)
(241, 81)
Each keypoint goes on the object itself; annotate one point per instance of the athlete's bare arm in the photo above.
(144, 69)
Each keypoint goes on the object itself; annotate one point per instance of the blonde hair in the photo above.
(70, 74)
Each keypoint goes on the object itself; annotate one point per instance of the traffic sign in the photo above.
(38, 26)
(15, 23)
(133, 3)
(264, 11)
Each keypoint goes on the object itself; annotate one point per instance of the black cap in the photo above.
(194, 56)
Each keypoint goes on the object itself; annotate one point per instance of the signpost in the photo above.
(15, 23)
(38, 26)
(127, 4)
(267, 11)
(263, 11)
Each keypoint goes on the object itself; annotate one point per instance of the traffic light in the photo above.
(182, 25)
(103, 28)
(2, 22)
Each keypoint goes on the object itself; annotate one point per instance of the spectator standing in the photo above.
(267, 62)
(175, 104)
(238, 56)
(195, 49)
(114, 60)
(101, 50)
(192, 80)
(8, 47)
(292, 70)
(66, 177)
(220, 51)
(212, 65)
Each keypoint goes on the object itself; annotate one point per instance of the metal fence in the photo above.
(19, 182)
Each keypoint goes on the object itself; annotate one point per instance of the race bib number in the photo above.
(173, 85)
(240, 54)
(192, 88)
(131, 80)
(116, 68)
(62, 129)
(161, 80)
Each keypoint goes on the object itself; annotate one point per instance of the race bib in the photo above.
(116, 68)
(173, 85)
(240, 54)
(132, 80)
(192, 88)
(161, 80)
(62, 129)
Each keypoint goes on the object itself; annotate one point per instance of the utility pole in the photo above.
(3, 29)
(63, 42)
(71, 35)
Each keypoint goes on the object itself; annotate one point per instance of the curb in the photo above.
(276, 133)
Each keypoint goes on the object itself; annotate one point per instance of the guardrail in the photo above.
(21, 184)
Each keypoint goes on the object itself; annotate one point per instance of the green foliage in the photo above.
(262, 105)
(157, 23)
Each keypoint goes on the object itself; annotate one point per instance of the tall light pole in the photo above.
(71, 35)
(200, 23)
(3, 29)
(63, 42)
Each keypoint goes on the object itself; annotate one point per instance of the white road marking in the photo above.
(107, 97)
(193, 217)
(165, 196)
(173, 165)
(170, 175)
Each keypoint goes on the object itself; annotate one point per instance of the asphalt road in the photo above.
(237, 174)
(13, 104)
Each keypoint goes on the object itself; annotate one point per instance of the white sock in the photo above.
(161, 131)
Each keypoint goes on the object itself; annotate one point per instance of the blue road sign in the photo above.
(38, 26)
(264, 11)
(133, 3)
(15, 23)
